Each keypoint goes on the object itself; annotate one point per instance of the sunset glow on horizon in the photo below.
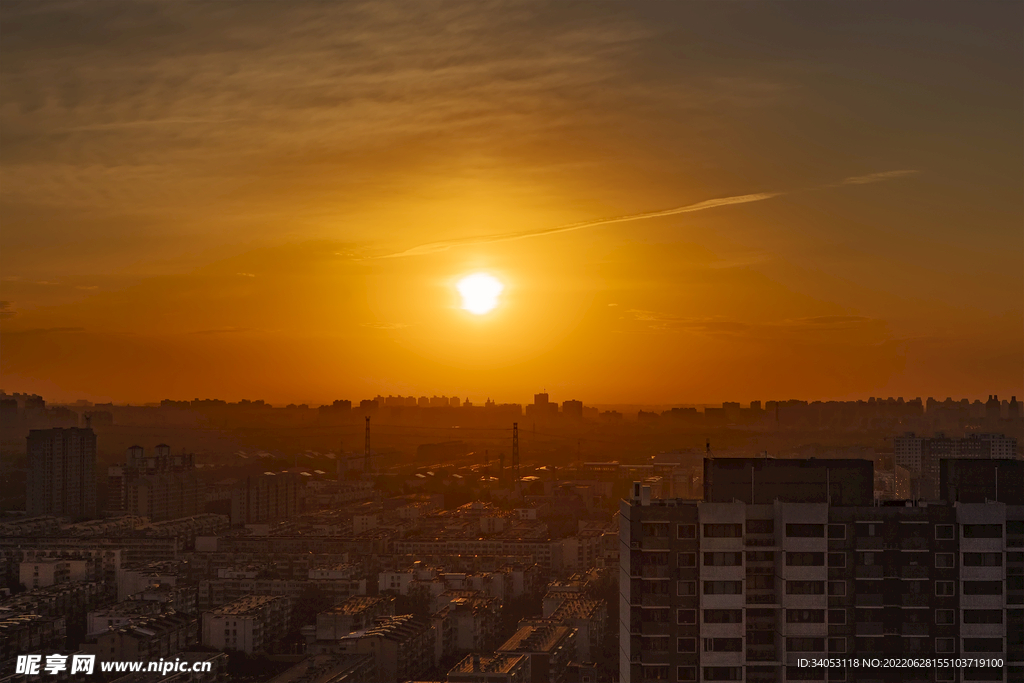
(624, 202)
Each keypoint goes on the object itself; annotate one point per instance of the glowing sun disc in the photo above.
(479, 293)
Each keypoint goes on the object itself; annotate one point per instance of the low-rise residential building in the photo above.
(248, 625)
(502, 667)
(551, 647)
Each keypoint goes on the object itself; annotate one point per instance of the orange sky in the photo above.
(201, 200)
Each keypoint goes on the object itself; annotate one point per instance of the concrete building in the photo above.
(61, 473)
(355, 614)
(551, 647)
(145, 638)
(161, 486)
(248, 625)
(500, 667)
(402, 647)
(47, 572)
(922, 456)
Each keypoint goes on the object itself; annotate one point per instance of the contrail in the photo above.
(434, 247)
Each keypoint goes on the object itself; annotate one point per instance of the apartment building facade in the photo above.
(743, 592)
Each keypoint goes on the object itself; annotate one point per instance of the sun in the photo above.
(479, 292)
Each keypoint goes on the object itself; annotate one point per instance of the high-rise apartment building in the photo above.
(922, 455)
(61, 473)
(713, 591)
(160, 486)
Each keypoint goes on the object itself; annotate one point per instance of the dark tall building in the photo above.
(764, 480)
(61, 473)
(734, 591)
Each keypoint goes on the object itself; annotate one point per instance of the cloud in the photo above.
(45, 330)
(434, 247)
(246, 274)
(6, 310)
(386, 326)
(876, 177)
(658, 320)
(223, 330)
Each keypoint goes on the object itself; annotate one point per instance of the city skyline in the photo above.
(674, 209)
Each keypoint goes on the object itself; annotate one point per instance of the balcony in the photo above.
(911, 600)
(754, 569)
(914, 629)
(765, 542)
(914, 543)
(760, 624)
(869, 543)
(761, 599)
(761, 654)
(914, 571)
(654, 600)
(869, 628)
(868, 600)
(870, 571)
(655, 571)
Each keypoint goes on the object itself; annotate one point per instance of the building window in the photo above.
(653, 530)
(686, 560)
(982, 560)
(655, 673)
(686, 531)
(944, 675)
(983, 588)
(805, 644)
(723, 587)
(982, 530)
(805, 588)
(760, 582)
(945, 589)
(760, 556)
(837, 645)
(723, 673)
(687, 673)
(944, 617)
(837, 588)
(723, 530)
(805, 559)
(760, 526)
(837, 532)
(723, 559)
(944, 532)
(723, 616)
(686, 644)
(805, 530)
(723, 645)
(805, 616)
(837, 616)
(686, 616)
(944, 560)
(983, 616)
(983, 645)
(686, 588)
(837, 560)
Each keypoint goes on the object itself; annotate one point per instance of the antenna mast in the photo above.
(366, 447)
(515, 452)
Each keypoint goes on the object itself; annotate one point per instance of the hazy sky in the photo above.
(275, 200)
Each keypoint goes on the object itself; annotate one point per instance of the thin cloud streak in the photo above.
(434, 247)
(876, 177)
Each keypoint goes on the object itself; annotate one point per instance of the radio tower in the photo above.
(515, 452)
(366, 447)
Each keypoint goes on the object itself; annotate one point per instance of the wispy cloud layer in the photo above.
(434, 247)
